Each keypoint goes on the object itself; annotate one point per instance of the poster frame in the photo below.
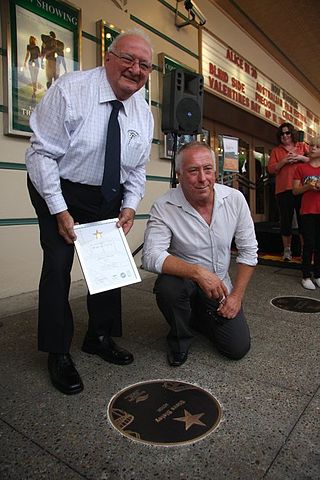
(19, 88)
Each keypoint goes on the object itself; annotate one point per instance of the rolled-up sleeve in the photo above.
(157, 241)
(273, 162)
(245, 237)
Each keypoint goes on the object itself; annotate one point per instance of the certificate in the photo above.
(104, 256)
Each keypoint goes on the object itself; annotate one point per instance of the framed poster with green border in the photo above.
(168, 142)
(43, 43)
(167, 64)
(107, 32)
(204, 137)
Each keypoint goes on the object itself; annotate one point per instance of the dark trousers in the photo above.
(288, 204)
(55, 320)
(311, 245)
(186, 308)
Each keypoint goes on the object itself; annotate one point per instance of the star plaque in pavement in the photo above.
(145, 412)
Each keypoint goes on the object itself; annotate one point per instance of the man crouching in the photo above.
(188, 243)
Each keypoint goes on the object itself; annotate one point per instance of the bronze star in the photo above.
(191, 419)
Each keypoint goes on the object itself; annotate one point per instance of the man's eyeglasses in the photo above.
(285, 133)
(128, 61)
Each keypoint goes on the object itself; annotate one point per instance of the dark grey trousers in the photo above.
(55, 319)
(186, 308)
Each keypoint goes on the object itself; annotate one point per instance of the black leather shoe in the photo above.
(107, 350)
(63, 373)
(176, 359)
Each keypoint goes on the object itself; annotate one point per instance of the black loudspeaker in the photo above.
(182, 103)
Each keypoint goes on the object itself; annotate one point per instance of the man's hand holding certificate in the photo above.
(104, 256)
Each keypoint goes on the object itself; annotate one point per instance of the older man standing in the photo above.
(188, 242)
(69, 164)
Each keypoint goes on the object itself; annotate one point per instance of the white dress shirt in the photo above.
(176, 228)
(69, 137)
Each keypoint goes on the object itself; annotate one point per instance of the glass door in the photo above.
(244, 182)
(265, 208)
(252, 178)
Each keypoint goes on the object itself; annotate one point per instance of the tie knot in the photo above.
(116, 105)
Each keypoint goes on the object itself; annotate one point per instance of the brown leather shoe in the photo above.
(63, 373)
(107, 349)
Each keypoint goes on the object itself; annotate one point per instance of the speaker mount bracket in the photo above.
(193, 13)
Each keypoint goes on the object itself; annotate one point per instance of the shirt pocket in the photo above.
(134, 147)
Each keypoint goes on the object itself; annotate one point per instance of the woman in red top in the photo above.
(283, 162)
(307, 182)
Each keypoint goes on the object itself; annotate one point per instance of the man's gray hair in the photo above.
(137, 32)
(189, 146)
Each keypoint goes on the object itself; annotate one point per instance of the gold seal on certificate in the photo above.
(104, 256)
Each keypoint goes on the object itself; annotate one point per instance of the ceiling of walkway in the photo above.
(288, 29)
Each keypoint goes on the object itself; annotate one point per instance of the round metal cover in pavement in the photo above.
(297, 304)
(164, 412)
